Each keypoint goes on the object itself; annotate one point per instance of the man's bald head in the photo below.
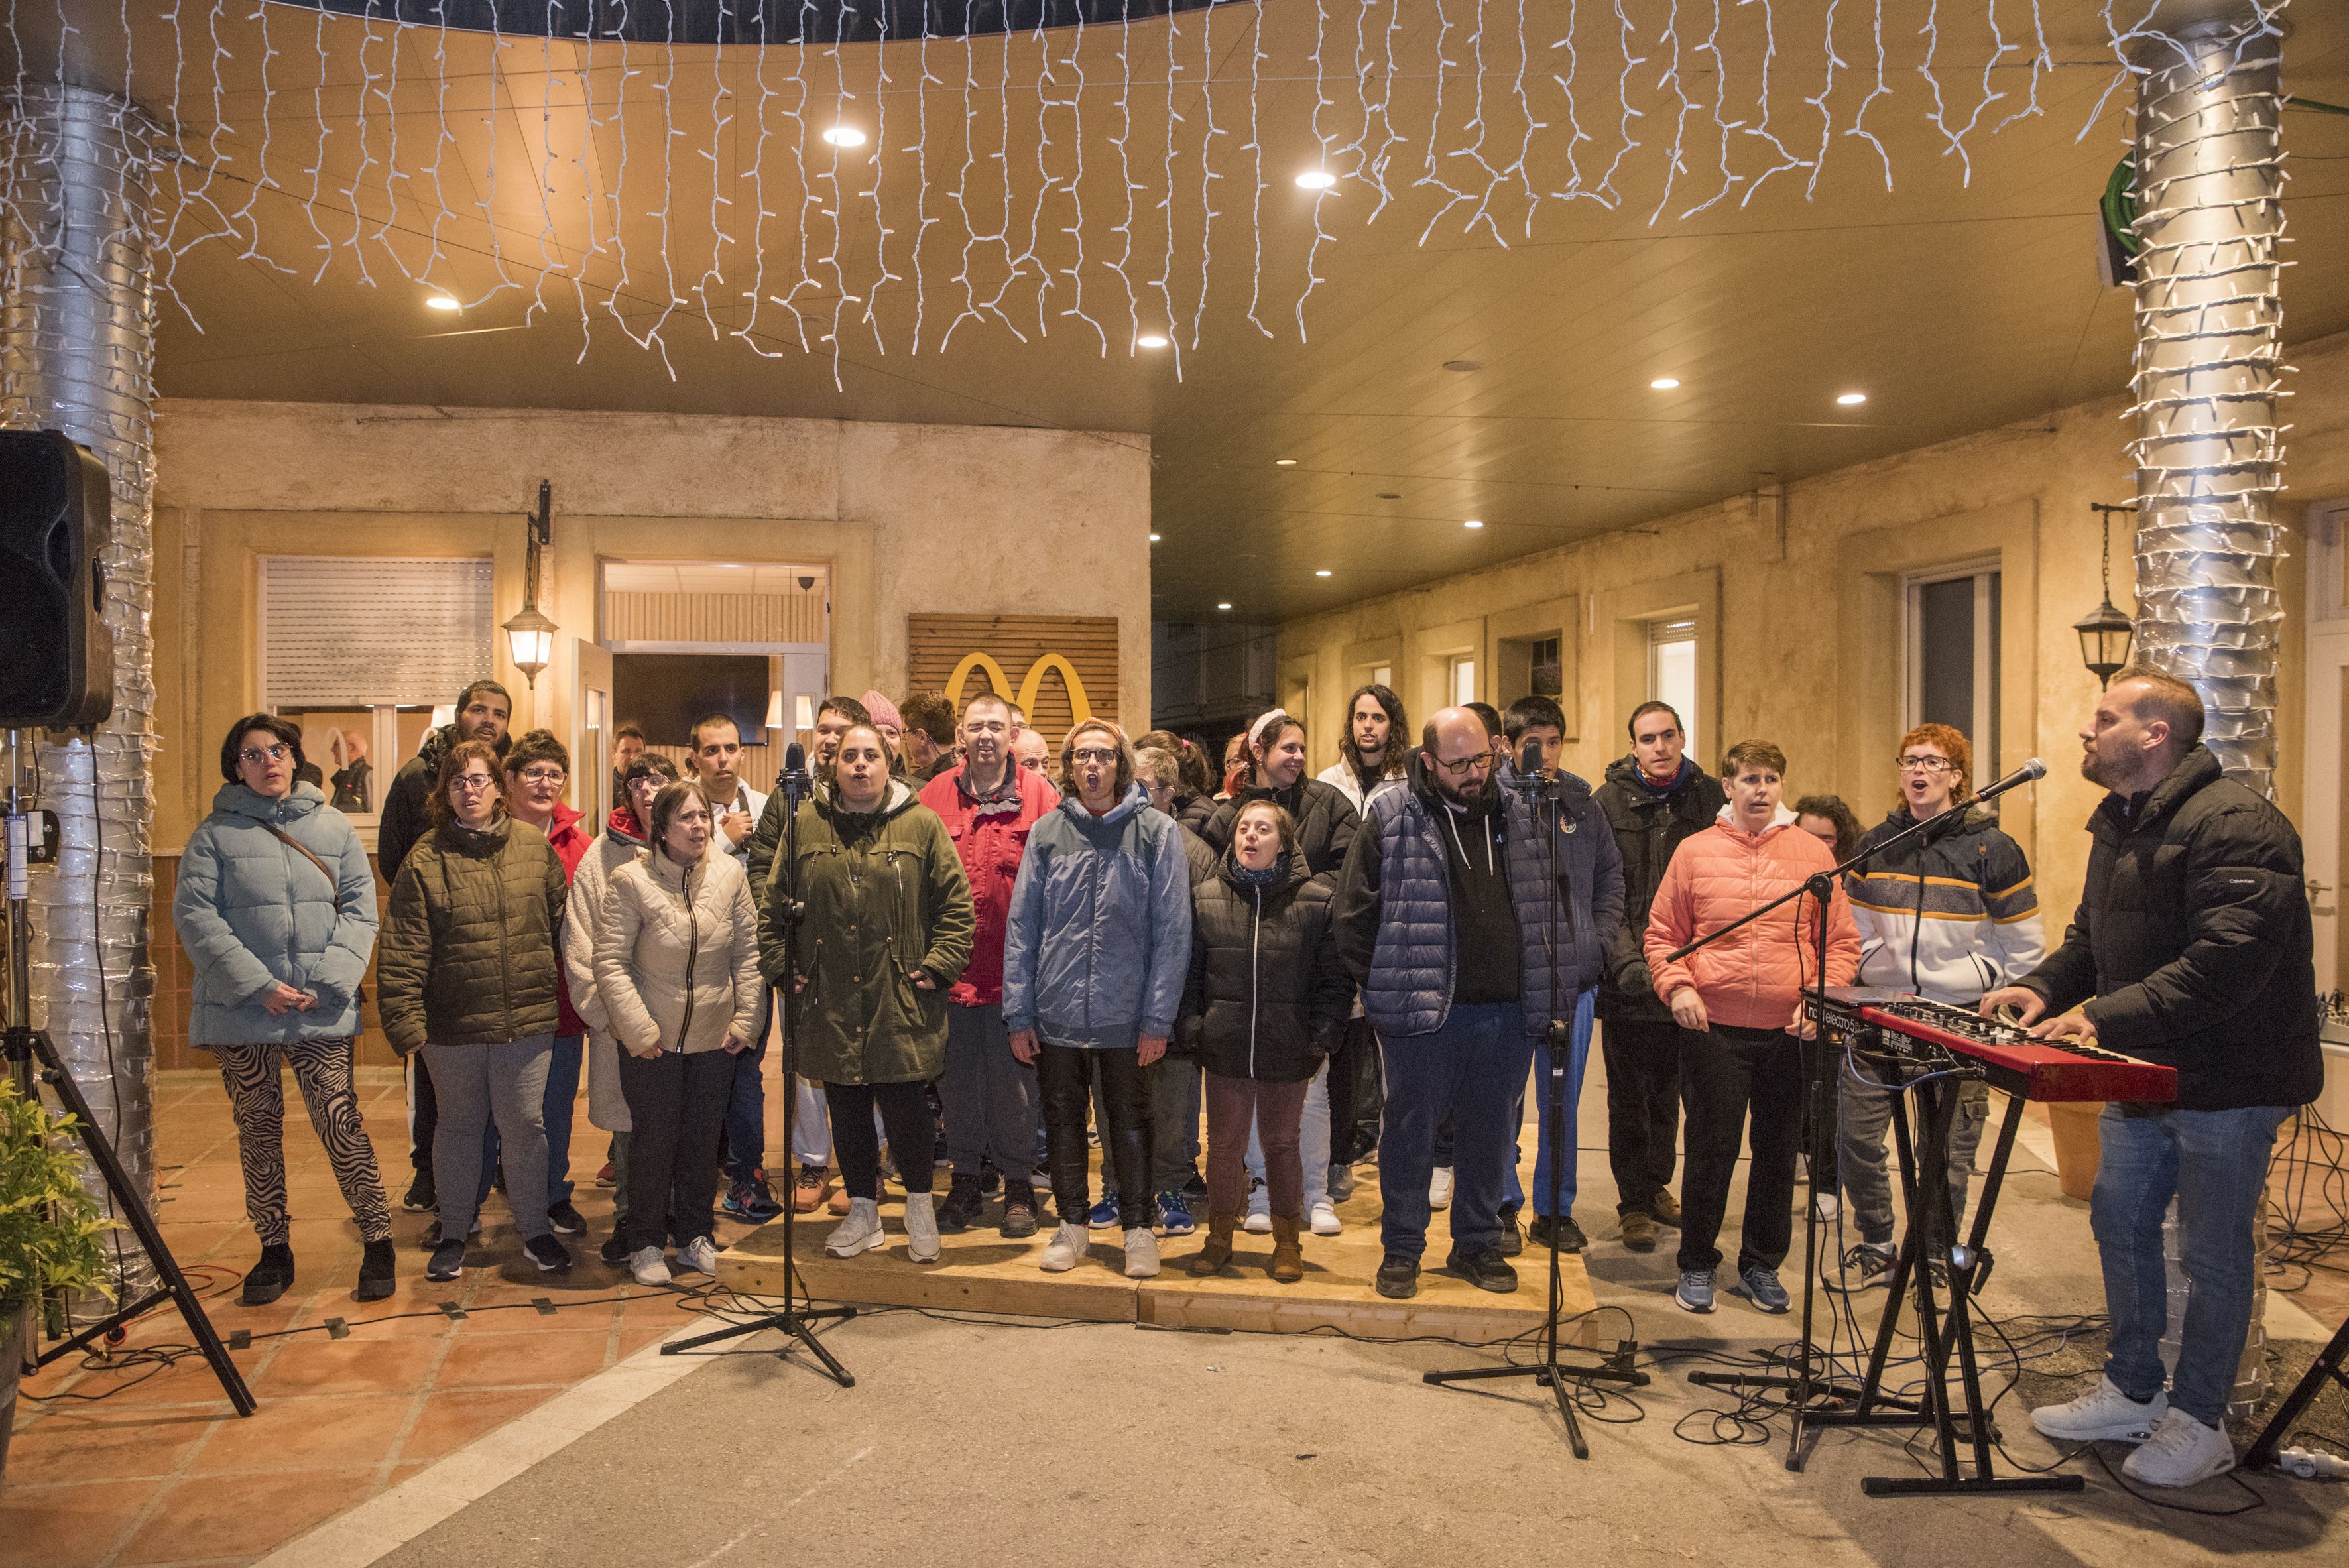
(1459, 752)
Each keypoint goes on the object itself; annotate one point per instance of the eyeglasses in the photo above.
(541, 775)
(1465, 765)
(472, 783)
(1093, 754)
(1925, 765)
(255, 756)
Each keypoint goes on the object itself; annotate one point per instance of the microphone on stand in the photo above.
(792, 783)
(2034, 769)
(1529, 766)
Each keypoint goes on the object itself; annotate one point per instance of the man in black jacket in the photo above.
(2192, 949)
(1654, 799)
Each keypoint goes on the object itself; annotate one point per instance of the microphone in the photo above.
(1529, 758)
(793, 783)
(2034, 769)
(794, 757)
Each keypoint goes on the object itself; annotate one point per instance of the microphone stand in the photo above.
(795, 786)
(1552, 1372)
(1807, 1382)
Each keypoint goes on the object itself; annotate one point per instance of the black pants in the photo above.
(1725, 1074)
(1066, 1078)
(1644, 1108)
(423, 1113)
(912, 1134)
(677, 1102)
(1357, 1093)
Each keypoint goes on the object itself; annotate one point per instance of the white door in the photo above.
(2323, 775)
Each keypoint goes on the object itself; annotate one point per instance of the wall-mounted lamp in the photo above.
(530, 635)
(2105, 632)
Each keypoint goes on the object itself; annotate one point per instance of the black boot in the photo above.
(964, 1201)
(267, 1280)
(375, 1271)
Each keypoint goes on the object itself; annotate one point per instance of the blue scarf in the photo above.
(1249, 876)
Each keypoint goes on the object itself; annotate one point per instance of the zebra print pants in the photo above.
(257, 1096)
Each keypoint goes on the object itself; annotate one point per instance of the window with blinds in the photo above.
(349, 632)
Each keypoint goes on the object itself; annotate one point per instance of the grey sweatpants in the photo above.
(474, 1084)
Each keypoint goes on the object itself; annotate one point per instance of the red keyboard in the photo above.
(2010, 1060)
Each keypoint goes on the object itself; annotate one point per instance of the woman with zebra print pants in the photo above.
(276, 906)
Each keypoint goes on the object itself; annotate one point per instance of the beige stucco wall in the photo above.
(910, 519)
(1797, 600)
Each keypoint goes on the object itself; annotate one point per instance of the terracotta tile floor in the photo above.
(160, 1471)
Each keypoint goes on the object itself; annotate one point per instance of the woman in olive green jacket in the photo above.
(887, 928)
(465, 973)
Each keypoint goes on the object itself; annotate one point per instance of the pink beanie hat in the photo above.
(883, 710)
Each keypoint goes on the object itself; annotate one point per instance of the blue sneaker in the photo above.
(1695, 1293)
(1761, 1286)
(1175, 1215)
(1103, 1216)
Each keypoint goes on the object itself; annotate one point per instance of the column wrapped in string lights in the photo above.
(78, 355)
(2209, 331)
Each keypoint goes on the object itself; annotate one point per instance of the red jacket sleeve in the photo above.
(1843, 940)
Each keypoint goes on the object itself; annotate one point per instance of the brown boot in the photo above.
(1218, 1250)
(1288, 1265)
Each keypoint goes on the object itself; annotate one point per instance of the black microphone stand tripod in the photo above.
(1562, 1378)
(795, 786)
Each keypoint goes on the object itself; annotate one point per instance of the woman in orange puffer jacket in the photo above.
(1740, 1001)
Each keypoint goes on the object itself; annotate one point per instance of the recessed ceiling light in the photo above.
(442, 302)
(1316, 180)
(1284, 462)
(1154, 539)
(1224, 606)
(1464, 365)
(1665, 383)
(844, 135)
(1852, 400)
(1474, 522)
(1323, 573)
(1150, 340)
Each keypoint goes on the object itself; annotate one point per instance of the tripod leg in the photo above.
(1905, 1153)
(1557, 1381)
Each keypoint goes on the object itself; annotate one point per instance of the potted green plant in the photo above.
(50, 1228)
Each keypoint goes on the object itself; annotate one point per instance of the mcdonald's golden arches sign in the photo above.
(1057, 668)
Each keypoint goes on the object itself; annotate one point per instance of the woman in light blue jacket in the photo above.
(276, 907)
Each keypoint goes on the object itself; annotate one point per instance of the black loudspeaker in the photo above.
(56, 516)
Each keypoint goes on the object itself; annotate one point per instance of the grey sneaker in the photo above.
(1761, 1286)
(700, 1256)
(647, 1266)
(1695, 1293)
(1066, 1249)
(2104, 1414)
(921, 1228)
(1865, 1267)
(859, 1233)
(1141, 1252)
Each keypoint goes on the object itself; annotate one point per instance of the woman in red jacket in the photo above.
(1741, 1001)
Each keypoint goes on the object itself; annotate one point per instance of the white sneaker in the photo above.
(1259, 1210)
(1067, 1248)
(1325, 1219)
(859, 1233)
(700, 1256)
(921, 1228)
(2181, 1451)
(647, 1266)
(1439, 1188)
(2104, 1414)
(1826, 1206)
(1141, 1252)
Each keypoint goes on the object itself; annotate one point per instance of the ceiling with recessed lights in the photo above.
(1449, 400)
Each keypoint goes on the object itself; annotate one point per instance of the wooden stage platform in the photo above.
(980, 1272)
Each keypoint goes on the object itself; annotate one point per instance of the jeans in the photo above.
(1863, 1111)
(1065, 1073)
(475, 1085)
(1569, 1142)
(1247, 1111)
(905, 1110)
(1723, 1073)
(1643, 1110)
(1469, 1070)
(562, 1098)
(677, 1104)
(989, 1098)
(745, 1137)
(1314, 1145)
(2215, 1163)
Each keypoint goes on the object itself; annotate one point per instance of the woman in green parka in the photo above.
(887, 927)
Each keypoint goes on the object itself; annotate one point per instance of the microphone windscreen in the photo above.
(794, 757)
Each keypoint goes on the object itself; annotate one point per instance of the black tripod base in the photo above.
(1556, 1377)
(792, 1322)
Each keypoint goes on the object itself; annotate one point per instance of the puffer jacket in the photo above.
(1648, 829)
(1395, 928)
(1266, 994)
(570, 839)
(1752, 977)
(1326, 822)
(1098, 942)
(1340, 776)
(677, 960)
(885, 900)
(990, 841)
(1949, 919)
(2193, 939)
(407, 814)
(254, 913)
(583, 922)
(469, 950)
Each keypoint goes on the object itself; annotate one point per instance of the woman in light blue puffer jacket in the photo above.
(276, 907)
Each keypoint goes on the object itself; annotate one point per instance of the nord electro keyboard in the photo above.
(2011, 1059)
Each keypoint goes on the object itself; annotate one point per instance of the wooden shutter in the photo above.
(359, 632)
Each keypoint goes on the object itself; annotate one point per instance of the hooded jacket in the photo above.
(1648, 829)
(676, 957)
(469, 950)
(569, 839)
(1340, 776)
(886, 901)
(1752, 977)
(990, 841)
(1949, 916)
(582, 923)
(1326, 822)
(1267, 995)
(1397, 925)
(2193, 940)
(1098, 942)
(254, 913)
(406, 816)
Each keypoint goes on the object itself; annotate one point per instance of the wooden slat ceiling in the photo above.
(1955, 304)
